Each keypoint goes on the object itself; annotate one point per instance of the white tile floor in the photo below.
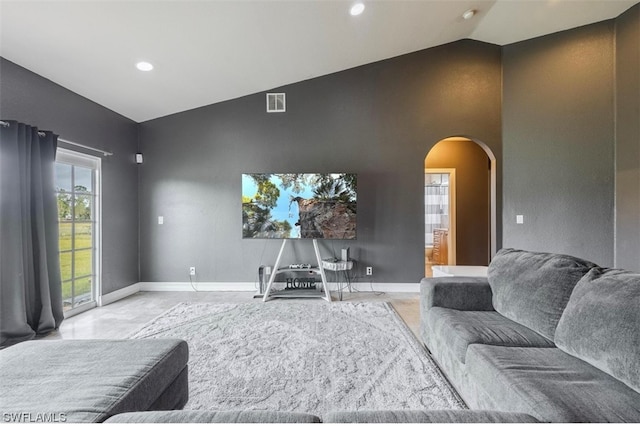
(125, 316)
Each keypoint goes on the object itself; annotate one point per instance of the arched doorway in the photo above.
(460, 203)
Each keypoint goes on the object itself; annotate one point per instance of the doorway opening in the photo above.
(440, 217)
(460, 203)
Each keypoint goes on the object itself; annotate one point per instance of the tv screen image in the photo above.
(299, 205)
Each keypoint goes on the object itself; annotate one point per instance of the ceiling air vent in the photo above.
(276, 102)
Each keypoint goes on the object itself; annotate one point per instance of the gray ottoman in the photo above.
(248, 416)
(435, 416)
(81, 381)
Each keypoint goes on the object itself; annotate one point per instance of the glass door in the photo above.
(77, 191)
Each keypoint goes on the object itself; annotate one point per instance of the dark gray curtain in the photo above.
(30, 288)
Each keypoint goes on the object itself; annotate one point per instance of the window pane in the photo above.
(83, 262)
(65, 266)
(83, 179)
(63, 177)
(64, 206)
(64, 230)
(82, 291)
(83, 235)
(83, 207)
(76, 177)
(67, 293)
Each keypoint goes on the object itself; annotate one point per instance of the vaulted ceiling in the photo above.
(207, 51)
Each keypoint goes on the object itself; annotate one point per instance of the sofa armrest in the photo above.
(462, 293)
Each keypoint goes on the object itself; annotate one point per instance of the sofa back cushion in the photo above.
(533, 288)
(601, 324)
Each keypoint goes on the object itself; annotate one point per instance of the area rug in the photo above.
(307, 356)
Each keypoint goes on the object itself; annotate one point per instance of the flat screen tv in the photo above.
(299, 205)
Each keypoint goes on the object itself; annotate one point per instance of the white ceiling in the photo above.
(209, 51)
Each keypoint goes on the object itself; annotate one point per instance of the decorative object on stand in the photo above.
(345, 254)
(306, 283)
(300, 266)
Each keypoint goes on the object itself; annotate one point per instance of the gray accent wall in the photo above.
(558, 143)
(34, 100)
(378, 120)
(628, 140)
(560, 113)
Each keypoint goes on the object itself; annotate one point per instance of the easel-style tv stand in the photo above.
(323, 293)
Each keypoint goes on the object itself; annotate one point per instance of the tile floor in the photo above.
(119, 319)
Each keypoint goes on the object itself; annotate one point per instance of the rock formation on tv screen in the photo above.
(326, 219)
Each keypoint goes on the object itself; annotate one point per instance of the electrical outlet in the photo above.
(192, 270)
(369, 270)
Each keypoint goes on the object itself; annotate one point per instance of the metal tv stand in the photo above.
(324, 294)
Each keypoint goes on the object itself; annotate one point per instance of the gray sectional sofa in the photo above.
(145, 381)
(388, 417)
(549, 335)
(544, 337)
(85, 381)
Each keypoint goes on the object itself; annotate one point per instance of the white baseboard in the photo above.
(251, 286)
(243, 286)
(387, 287)
(197, 286)
(114, 296)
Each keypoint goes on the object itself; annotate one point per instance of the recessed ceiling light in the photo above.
(144, 66)
(469, 14)
(357, 9)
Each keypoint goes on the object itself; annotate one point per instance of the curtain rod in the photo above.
(104, 153)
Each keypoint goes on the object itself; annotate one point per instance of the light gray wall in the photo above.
(628, 140)
(558, 141)
(378, 120)
(34, 100)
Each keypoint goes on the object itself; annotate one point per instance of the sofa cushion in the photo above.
(82, 381)
(601, 324)
(463, 293)
(187, 416)
(435, 416)
(463, 328)
(533, 288)
(550, 385)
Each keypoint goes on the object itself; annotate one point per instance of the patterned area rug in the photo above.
(313, 357)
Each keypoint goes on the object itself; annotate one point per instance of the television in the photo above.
(299, 205)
